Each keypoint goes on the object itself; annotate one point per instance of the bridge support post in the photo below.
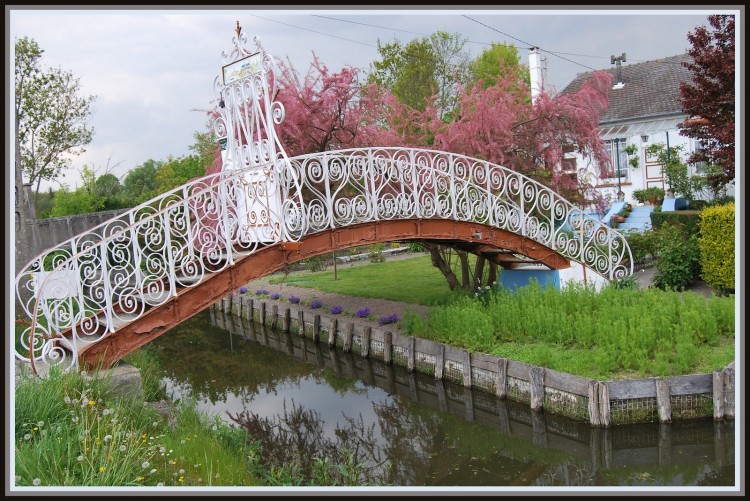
(287, 320)
(536, 378)
(301, 323)
(410, 355)
(348, 337)
(274, 316)
(467, 369)
(501, 382)
(263, 313)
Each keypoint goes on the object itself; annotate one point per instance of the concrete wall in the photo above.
(44, 234)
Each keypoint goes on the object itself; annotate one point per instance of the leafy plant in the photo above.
(679, 258)
(388, 319)
(316, 303)
(294, 299)
(363, 312)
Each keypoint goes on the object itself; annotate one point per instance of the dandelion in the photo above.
(153, 470)
(162, 450)
(145, 465)
(182, 441)
(66, 399)
(107, 438)
(182, 472)
(140, 479)
(40, 424)
(37, 481)
(160, 484)
(92, 402)
(84, 374)
(181, 479)
(106, 412)
(123, 448)
(27, 436)
(80, 459)
(102, 469)
(75, 419)
(214, 428)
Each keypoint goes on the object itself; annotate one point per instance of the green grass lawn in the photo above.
(412, 280)
(614, 335)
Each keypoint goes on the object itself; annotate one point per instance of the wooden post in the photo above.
(301, 323)
(440, 361)
(251, 309)
(536, 380)
(332, 334)
(348, 337)
(388, 348)
(718, 395)
(729, 392)
(366, 342)
(604, 404)
(469, 404)
(501, 382)
(316, 328)
(263, 313)
(442, 397)
(274, 316)
(467, 369)
(410, 354)
(665, 445)
(594, 418)
(663, 401)
(287, 319)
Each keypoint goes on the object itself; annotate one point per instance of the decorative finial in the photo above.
(238, 30)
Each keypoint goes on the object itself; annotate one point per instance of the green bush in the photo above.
(686, 218)
(642, 244)
(716, 245)
(679, 258)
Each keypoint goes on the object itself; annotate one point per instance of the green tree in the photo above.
(422, 68)
(494, 63)
(83, 200)
(140, 183)
(676, 171)
(50, 116)
(175, 172)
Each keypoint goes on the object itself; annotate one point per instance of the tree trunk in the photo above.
(439, 262)
(465, 271)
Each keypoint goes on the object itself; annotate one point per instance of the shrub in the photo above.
(642, 244)
(687, 218)
(315, 263)
(335, 310)
(293, 299)
(716, 244)
(679, 258)
(363, 312)
(316, 303)
(376, 253)
(415, 247)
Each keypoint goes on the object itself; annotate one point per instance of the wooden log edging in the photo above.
(600, 403)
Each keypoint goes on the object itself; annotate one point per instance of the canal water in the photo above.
(304, 400)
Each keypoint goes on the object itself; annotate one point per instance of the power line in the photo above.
(530, 45)
(318, 32)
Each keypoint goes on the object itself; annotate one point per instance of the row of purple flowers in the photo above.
(316, 304)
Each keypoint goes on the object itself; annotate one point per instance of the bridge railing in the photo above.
(345, 187)
(84, 288)
(90, 285)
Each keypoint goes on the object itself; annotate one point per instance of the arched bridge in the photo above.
(104, 293)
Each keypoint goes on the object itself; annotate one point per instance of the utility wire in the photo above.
(318, 32)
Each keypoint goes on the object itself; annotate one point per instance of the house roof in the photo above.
(651, 90)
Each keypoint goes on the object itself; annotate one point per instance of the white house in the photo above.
(644, 109)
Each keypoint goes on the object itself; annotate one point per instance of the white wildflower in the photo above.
(37, 481)
(145, 465)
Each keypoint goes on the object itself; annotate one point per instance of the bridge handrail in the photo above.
(233, 212)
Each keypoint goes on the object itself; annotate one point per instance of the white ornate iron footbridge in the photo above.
(104, 293)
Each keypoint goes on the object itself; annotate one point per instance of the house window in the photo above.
(614, 148)
(570, 169)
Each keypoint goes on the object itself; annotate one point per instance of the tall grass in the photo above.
(73, 430)
(607, 334)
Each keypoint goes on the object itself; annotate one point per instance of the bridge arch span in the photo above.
(159, 319)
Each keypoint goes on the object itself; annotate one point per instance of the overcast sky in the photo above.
(150, 69)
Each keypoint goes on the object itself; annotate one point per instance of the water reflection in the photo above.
(303, 400)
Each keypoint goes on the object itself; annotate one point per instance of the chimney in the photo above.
(537, 72)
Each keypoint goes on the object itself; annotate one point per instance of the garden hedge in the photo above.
(716, 245)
